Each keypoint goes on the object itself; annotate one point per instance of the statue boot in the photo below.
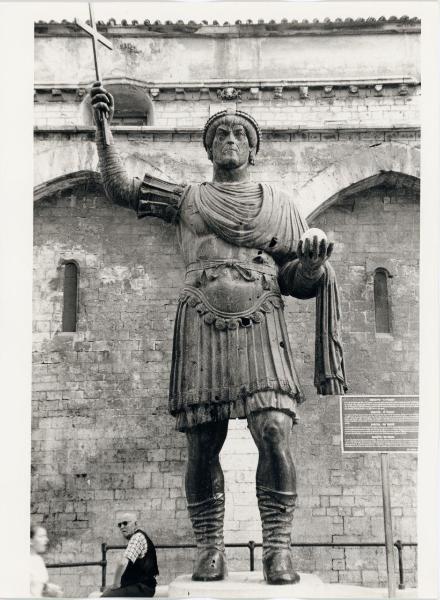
(276, 510)
(207, 520)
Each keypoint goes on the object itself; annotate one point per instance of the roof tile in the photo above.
(284, 25)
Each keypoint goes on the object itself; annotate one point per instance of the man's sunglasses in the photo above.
(122, 524)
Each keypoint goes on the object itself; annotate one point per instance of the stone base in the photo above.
(251, 584)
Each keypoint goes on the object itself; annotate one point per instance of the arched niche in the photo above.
(374, 224)
(70, 159)
(133, 104)
(388, 164)
(86, 180)
(389, 180)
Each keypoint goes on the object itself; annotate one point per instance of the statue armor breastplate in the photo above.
(230, 285)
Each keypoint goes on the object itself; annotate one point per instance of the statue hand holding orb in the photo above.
(313, 250)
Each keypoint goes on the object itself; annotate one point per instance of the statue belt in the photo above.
(212, 309)
(226, 300)
(243, 268)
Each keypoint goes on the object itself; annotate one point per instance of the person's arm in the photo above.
(150, 197)
(36, 589)
(52, 590)
(120, 568)
(122, 565)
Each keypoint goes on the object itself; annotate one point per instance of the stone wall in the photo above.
(63, 54)
(293, 159)
(301, 75)
(102, 439)
(363, 109)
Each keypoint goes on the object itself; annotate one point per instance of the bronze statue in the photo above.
(244, 245)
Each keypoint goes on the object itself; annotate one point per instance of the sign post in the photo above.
(388, 524)
(381, 424)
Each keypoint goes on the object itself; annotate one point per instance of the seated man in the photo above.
(136, 573)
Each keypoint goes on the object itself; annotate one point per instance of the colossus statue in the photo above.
(244, 245)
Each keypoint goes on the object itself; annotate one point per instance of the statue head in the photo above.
(231, 138)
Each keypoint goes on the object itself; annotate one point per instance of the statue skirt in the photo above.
(226, 368)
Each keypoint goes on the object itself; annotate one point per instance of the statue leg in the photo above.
(205, 493)
(276, 492)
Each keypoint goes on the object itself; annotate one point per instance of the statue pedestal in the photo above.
(245, 584)
(251, 584)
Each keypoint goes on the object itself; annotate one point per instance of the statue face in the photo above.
(230, 147)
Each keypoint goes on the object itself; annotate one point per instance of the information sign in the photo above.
(379, 423)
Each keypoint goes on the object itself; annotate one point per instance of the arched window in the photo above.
(133, 105)
(381, 301)
(70, 296)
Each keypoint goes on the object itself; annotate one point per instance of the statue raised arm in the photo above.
(244, 245)
(150, 196)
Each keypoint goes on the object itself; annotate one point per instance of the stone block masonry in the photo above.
(103, 440)
(290, 162)
(316, 111)
(107, 383)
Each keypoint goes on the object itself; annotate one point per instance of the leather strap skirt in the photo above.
(225, 368)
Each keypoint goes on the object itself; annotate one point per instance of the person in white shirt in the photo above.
(40, 585)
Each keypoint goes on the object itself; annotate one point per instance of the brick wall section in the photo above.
(102, 438)
(57, 113)
(283, 159)
(315, 111)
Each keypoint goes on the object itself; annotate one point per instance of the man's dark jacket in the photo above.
(143, 570)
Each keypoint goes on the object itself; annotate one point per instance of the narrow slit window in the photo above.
(70, 305)
(382, 301)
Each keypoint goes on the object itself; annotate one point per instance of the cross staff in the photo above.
(96, 36)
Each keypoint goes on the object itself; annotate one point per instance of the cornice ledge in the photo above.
(237, 83)
(153, 129)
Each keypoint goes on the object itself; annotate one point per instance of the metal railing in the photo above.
(251, 545)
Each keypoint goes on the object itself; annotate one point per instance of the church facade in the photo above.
(338, 104)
